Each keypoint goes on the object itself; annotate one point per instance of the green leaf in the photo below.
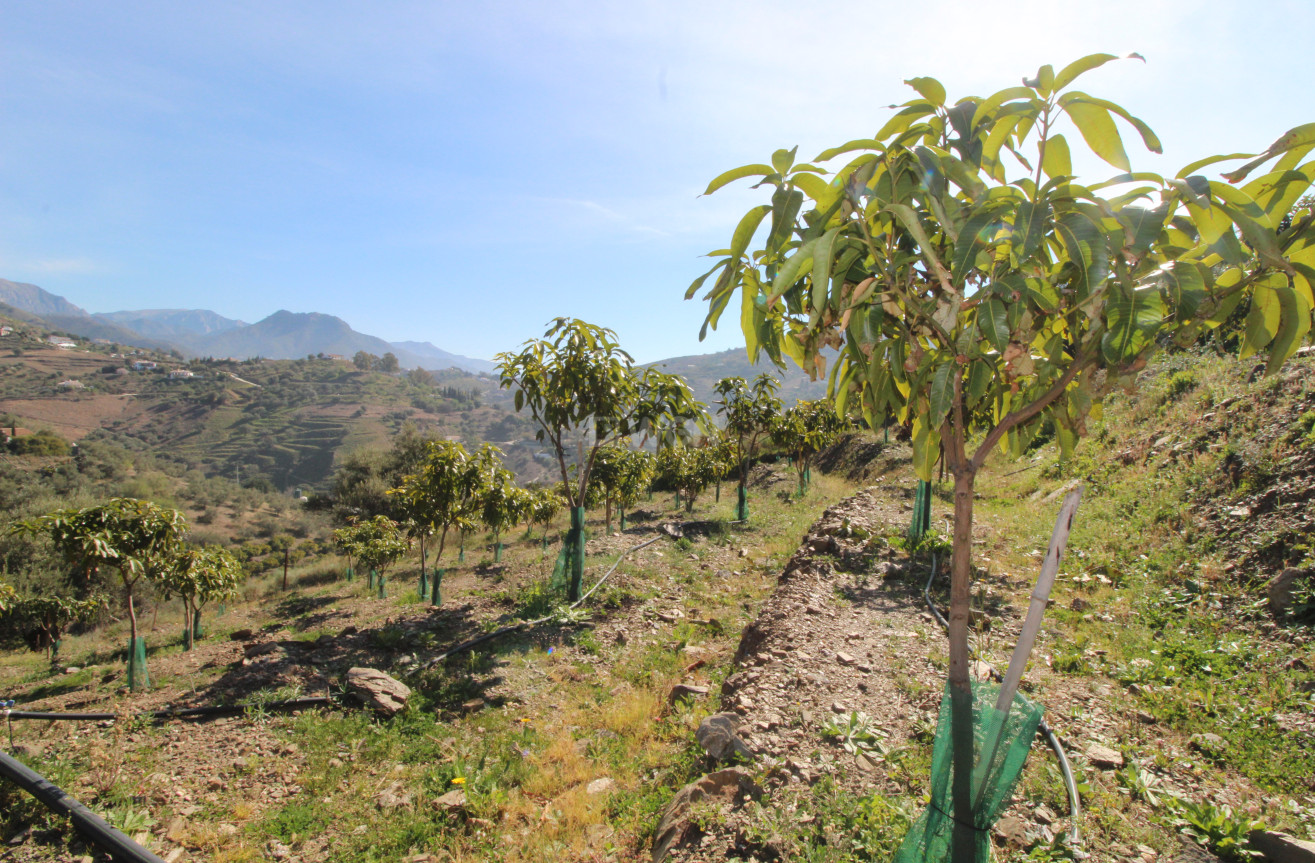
(1196, 166)
(1142, 227)
(977, 233)
(1055, 159)
(987, 108)
(745, 230)
(819, 190)
(898, 124)
(993, 321)
(1086, 247)
(849, 147)
(1030, 226)
(909, 219)
(941, 395)
(788, 274)
(734, 174)
(783, 159)
(1098, 130)
(1301, 136)
(1070, 72)
(1263, 319)
(822, 256)
(1294, 324)
(1131, 321)
(1187, 288)
(928, 88)
(1277, 192)
(926, 449)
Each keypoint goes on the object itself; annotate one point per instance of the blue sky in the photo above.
(462, 173)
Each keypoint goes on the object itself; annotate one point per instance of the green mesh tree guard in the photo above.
(349, 574)
(369, 584)
(568, 572)
(436, 597)
(197, 631)
(383, 591)
(423, 589)
(497, 552)
(742, 504)
(921, 511)
(138, 679)
(1000, 745)
(54, 650)
(461, 549)
(623, 520)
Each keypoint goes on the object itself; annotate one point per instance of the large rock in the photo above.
(1280, 590)
(380, 691)
(728, 787)
(716, 734)
(1282, 848)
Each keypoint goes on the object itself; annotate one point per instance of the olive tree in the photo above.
(582, 389)
(199, 574)
(976, 287)
(750, 411)
(137, 538)
(805, 430)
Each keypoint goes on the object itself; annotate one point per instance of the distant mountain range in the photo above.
(198, 332)
(288, 335)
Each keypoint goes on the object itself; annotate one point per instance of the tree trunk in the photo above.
(422, 557)
(187, 625)
(961, 696)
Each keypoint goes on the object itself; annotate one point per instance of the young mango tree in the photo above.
(621, 474)
(582, 389)
(135, 537)
(199, 574)
(689, 470)
(805, 430)
(501, 505)
(381, 544)
(445, 494)
(347, 541)
(43, 619)
(8, 596)
(976, 287)
(545, 506)
(750, 412)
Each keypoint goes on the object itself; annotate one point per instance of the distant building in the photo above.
(4, 331)
(143, 366)
(181, 373)
(69, 385)
(61, 342)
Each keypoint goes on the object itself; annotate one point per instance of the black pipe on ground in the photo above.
(173, 713)
(91, 826)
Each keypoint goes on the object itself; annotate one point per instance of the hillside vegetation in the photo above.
(1186, 703)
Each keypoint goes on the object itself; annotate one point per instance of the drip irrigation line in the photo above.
(172, 713)
(1074, 801)
(88, 823)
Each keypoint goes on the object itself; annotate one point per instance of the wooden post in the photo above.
(285, 569)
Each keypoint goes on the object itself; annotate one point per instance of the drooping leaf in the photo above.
(1301, 136)
(941, 395)
(1069, 73)
(993, 321)
(1097, 128)
(1085, 245)
(757, 170)
(928, 88)
(744, 231)
(926, 449)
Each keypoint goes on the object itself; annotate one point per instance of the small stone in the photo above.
(474, 705)
(744, 552)
(844, 658)
(451, 802)
(1044, 815)
(1145, 718)
(602, 785)
(1104, 757)
(1012, 830)
(395, 796)
(335, 762)
(242, 635)
(837, 707)
(379, 690)
(686, 690)
(72, 669)
(718, 736)
(1208, 743)
(227, 829)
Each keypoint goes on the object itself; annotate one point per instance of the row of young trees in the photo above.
(139, 541)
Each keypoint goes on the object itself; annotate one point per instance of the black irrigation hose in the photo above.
(88, 823)
(1074, 801)
(172, 713)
